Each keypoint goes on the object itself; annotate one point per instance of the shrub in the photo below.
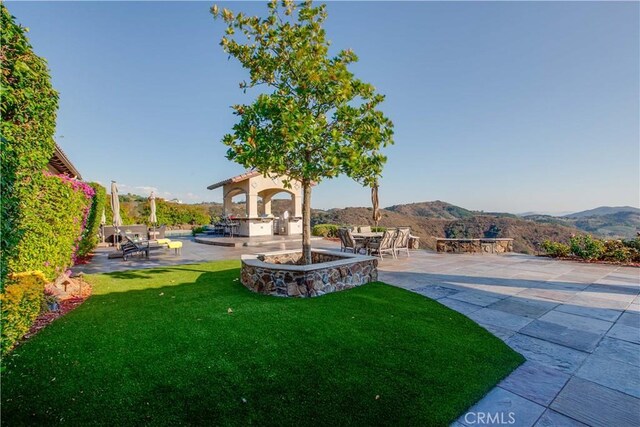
(198, 230)
(615, 250)
(28, 111)
(325, 230)
(90, 237)
(587, 247)
(632, 243)
(54, 217)
(556, 249)
(378, 229)
(21, 302)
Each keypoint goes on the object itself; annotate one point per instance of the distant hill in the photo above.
(605, 221)
(533, 213)
(603, 210)
(436, 209)
(624, 224)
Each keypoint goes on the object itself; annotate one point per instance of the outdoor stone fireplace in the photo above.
(282, 273)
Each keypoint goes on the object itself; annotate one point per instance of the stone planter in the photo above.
(280, 273)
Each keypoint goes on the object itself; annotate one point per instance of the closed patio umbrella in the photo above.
(153, 219)
(376, 204)
(115, 208)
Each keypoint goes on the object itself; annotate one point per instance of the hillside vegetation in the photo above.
(604, 210)
(437, 209)
(620, 224)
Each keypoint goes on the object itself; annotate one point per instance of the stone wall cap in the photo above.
(253, 261)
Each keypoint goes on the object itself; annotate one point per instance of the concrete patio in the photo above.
(578, 325)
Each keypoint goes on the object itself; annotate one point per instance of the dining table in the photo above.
(367, 238)
(367, 235)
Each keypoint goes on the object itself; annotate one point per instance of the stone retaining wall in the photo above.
(278, 273)
(486, 246)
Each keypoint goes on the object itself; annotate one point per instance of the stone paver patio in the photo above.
(578, 325)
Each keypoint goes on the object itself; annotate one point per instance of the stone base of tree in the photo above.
(487, 246)
(281, 273)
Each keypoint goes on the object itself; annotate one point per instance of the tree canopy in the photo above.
(313, 118)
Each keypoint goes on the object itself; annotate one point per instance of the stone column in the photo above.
(226, 204)
(297, 205)
(266, 202)
(252, 205)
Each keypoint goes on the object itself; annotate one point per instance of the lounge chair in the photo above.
(401, 241)
(384, 245)
(129, 247)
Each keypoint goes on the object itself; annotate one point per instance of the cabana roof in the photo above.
(233, 180)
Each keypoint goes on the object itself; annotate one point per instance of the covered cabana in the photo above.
(254, 186)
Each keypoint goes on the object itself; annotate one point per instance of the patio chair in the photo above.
(384, 245)
(401, 241)
(348, 243)
(365, 229)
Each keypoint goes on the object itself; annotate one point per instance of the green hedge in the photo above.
(91, 237)
(21, 303)
(54, 216)
(325, 230)
(29, 104)
(331, 230)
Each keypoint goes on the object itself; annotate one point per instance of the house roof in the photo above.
(233, 180)
(61, 164)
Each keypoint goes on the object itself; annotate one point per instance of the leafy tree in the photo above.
(29, 105)
(312, 118)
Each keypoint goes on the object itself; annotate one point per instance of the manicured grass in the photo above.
(160, 347)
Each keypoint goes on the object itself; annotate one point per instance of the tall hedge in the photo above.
(28, 108)
(90, 237)
(54, 215)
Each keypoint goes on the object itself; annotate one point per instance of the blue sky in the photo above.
(499, 106)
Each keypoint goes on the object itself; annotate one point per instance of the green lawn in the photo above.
(159, 347)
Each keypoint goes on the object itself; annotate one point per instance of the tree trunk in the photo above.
(306, 222)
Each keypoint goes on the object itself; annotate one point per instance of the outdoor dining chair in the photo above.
(384, 245)
(348, 243)
(401, 241)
